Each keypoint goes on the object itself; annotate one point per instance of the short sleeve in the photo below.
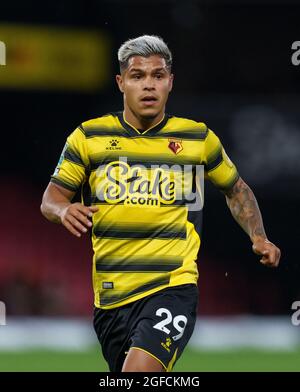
(73, 164)
(219, 169)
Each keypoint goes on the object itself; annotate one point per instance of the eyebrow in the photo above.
(141, 70)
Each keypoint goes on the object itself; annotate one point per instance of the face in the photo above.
(146, 84)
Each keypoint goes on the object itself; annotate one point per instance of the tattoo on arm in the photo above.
(244, 208)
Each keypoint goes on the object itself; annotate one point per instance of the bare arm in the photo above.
(57, 207)
(244, 208)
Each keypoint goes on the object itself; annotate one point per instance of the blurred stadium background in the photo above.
(233, 70)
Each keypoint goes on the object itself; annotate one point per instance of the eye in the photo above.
(136, 76)
(158, 76)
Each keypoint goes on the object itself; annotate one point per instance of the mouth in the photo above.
(149, 100)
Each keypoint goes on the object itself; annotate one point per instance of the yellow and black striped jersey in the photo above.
(146, 234)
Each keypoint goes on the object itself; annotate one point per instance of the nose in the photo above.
(149, 84)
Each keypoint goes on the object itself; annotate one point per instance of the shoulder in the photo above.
(187, 123)
(186, 127)
(106, 121)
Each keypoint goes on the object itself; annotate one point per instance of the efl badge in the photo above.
(175, 145)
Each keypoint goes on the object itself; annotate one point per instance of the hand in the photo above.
(75, 218)
(269, 251)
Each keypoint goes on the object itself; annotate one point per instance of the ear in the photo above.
(171, 82)
(119, 81)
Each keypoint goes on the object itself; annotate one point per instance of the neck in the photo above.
(141, 122)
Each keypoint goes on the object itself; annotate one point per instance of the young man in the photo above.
(145, 237)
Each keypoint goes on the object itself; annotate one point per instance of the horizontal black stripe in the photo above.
(73, 157)
(138, 263)
(107, 297)
(156, 132)
(147, 234)
(134, 234)
(64, 184)
(95, 200)
(146, 163)
(136, 267)
(184, 135)
(93, 132)
(214, 162)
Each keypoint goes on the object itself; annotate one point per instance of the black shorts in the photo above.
(160, 324)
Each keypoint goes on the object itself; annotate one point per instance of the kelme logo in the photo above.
(113, 145)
